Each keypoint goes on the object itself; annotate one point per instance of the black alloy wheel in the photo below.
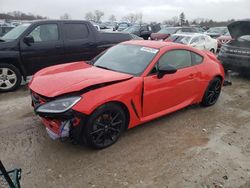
(212, 93)
(105, 126)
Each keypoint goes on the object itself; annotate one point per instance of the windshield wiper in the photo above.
(1, 40)
(103, 67)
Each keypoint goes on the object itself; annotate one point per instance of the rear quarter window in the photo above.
(196, 58)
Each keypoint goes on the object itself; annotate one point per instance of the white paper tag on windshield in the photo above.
(150, 50)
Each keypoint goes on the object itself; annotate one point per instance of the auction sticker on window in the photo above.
(150, 50)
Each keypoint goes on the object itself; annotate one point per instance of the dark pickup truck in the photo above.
(35, 45)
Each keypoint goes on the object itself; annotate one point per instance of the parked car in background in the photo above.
(32, 46)
(164, 33)
(224, 39)
(135, 37)
(96, 26)
(235, 55)
(108, 26)
(122, 26)
(143, 31)
(5, 29)
(129, 84)
(196, 40)
(216, 32)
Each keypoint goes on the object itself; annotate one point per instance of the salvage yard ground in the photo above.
(195, 147)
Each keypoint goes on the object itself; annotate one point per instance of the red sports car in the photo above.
(129, 84)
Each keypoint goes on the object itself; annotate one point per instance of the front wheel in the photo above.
(212, 93)
(105, 126)
(10, 77)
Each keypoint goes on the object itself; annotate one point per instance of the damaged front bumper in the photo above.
(58, 125)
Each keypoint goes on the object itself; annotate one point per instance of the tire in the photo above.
(104, 126)
(10, 77)
(212, 50)
(212, 92)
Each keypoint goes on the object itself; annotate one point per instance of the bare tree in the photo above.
(98, 15)
(133, 18)
(112, 18)
(174, 21)
(66, 16)
(89, 16)
(182, 18)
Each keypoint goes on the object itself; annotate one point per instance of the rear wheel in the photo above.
(105, 126)
(10, 77)
(212, 93)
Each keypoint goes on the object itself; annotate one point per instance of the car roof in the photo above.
(189, 34)
(150, 43)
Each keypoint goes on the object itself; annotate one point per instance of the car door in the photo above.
(173, 90)
(45, 50)
(79, 43)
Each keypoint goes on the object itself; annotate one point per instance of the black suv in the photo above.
(235, 55)
(35, 45)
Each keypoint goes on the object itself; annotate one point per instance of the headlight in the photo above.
(58, 106)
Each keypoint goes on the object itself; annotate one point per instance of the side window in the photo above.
(76, 31)
(196, 59)
(194, 40)
(144, 28)
(177, 58)
(178, 31)
(186, 30)
(202, 39)
(46, 32)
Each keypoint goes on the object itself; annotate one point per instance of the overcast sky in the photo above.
(152, 10)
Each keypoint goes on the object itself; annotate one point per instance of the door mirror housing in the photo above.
(165, 69)
(28, 40)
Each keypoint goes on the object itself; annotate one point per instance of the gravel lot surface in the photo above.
(194, 147)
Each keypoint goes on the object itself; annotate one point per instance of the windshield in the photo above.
(217, 30)
(168, 30)
(132, 29)
(130, 59)
(227, 34)
(16, 32)
(123, 25)
(180, 39)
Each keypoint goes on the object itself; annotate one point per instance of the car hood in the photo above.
(239, 28)
(61, 79)
(6, 45)
(159, 36)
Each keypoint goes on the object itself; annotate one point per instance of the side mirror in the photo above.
(28, 40)
(165, 69)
